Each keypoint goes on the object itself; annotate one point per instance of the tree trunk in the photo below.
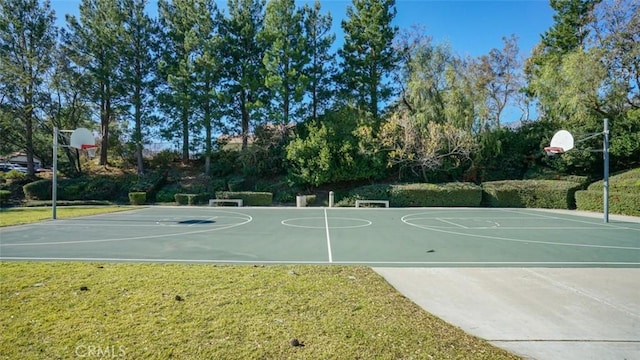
(245, 119)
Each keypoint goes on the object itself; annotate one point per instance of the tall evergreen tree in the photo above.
(27, 44)
(93, 43)
(284, 59)
(180, 21)
(321, 68)
(208, 71)
(243, 83)
(139, 53)
(368, 55)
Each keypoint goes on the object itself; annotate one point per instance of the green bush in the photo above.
(624, 194)
(5, 195)
(167, 194)
(628, 181)
(191, 199)
(285, 196)
(14, 174)
(619, 203)
(249, 198)
(419, 195)
(449, 194)
(550, 194)
(137, 198)
(38, 190)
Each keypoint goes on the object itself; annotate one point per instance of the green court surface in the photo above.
(415, 237)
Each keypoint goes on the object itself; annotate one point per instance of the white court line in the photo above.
(451, 223)
(345, 262)
(326, 224)
(407, 220)
(573, 220)
(247, 220)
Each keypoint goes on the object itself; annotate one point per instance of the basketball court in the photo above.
(542, 284)
(421, 237)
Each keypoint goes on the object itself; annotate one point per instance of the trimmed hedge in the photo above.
(98, 187)
(137, 198)
(424, 195)
(418, 195)
(628, 181)
(619, 203)
(249, 198)
(624, 194)
(550, 194)
(38, 190)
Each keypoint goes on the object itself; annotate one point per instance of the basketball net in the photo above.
(91, 150)
(553, 150)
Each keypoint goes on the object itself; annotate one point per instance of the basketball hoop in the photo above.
(561, 142)
(90, 149)
(553, 150)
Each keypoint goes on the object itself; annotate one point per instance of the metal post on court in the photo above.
(54, 181)
(331, 197)
(605, 151)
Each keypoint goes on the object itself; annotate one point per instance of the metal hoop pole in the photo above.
(606, 169)
(54, 182)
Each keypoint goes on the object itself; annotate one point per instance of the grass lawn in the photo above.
(160, 311)
(25, 215)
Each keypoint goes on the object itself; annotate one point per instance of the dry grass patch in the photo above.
(161, 311)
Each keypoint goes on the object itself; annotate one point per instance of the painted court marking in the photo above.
(299, 222)
(407, 219)
(244, 217)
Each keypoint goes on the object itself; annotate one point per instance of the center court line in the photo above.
(326, 226)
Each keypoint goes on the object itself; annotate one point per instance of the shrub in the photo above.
(168, 193)
(551, 194)
(624, 194)
(190, 199)
(628, 181)
(137, 198)
(14, 174)
(164, 158)
(448, 194)
(38, 190)
(5, 195)
(249, 198)
(619, 203)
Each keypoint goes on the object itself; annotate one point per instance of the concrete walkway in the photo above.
(532, 312)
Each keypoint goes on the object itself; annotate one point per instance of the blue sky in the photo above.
(471, 27)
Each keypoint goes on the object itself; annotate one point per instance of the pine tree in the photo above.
(243, 83)
(322, 68)
(139, 54)
(368, 55)
(284, 59)
(93, 44)
(27, 44)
